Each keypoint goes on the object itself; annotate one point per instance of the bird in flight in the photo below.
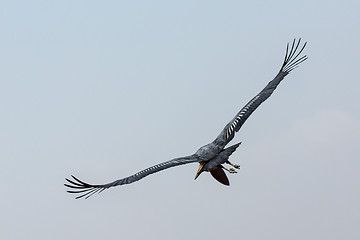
(211, 157)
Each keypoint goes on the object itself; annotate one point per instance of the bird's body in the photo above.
(208, 151)
(211, 156)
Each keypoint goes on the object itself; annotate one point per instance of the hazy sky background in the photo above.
(103, 89)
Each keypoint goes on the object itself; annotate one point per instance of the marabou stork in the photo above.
(212, 156)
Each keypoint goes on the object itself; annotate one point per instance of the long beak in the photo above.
(199, 171)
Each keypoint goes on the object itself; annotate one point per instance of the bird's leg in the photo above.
(231, 170)
(237, 166)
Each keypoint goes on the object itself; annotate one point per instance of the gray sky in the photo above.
(102, 90)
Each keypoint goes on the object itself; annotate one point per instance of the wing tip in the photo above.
(80, 187)
(292, 59)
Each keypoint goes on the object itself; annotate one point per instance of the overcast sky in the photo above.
(103, 89)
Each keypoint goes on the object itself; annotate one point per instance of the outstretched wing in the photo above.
(86, 189)
(291, 61)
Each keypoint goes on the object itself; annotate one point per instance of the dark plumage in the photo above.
(213, 155)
